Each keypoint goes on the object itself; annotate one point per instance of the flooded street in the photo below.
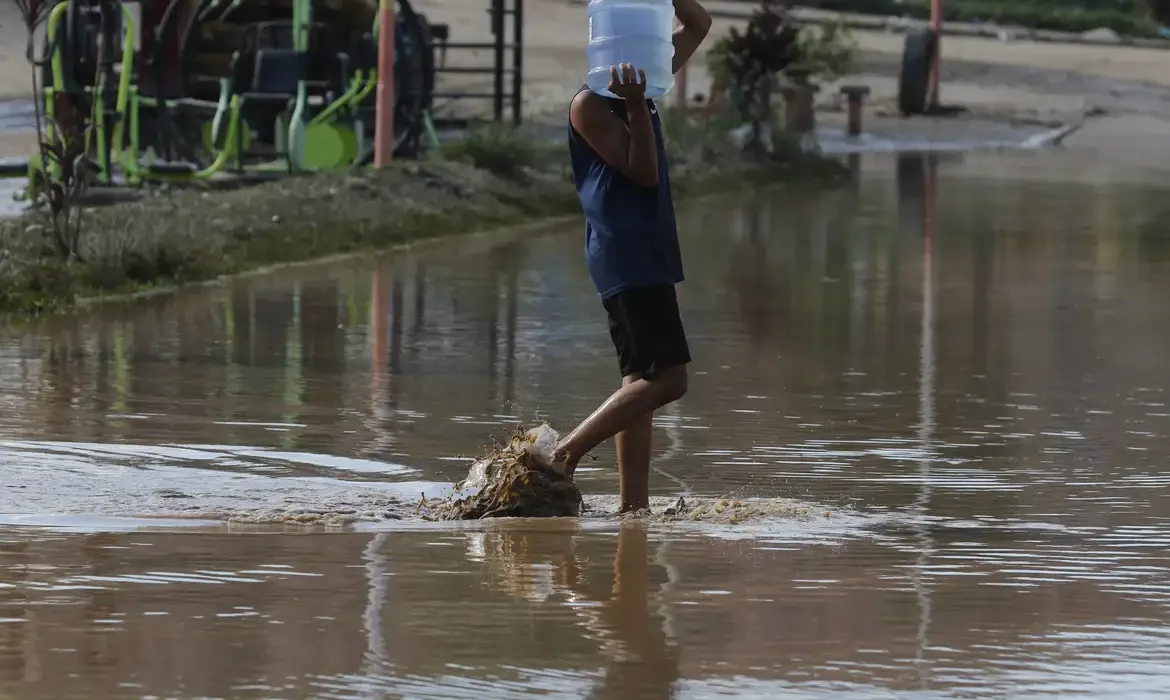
(941, 389)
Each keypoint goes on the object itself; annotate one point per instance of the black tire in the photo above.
(914, 82)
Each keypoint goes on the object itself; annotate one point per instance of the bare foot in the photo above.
(561, 465)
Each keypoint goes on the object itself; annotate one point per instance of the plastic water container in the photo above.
(638, 32)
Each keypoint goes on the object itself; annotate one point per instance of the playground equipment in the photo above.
(253, 87)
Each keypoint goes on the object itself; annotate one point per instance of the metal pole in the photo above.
(497, 12)
(517, 58)
(936, 27)
(384, 114)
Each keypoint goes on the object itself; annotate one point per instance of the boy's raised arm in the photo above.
(695, 25)
(632, 149)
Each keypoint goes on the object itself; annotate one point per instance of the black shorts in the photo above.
(647, 330)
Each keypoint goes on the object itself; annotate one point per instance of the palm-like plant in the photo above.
(60, 182)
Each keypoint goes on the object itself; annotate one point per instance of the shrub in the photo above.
(498, 148)
(828, 50)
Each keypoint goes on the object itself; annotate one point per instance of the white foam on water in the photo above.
(89, 524)
(51, 481)
(104, 487)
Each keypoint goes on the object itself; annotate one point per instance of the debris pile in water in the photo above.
(733, 511)
(707, 510)
(512, 480)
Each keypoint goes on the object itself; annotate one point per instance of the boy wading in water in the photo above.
(631, 249)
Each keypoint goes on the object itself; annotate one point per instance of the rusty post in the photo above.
(799, 112)
(799, 95)
(680, 88)
(384, 106)
(855, 96)
(808, 111)
(791, 118)
(799, 117)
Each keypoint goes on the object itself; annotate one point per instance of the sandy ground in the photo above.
(1127, 87)
(1005, 81)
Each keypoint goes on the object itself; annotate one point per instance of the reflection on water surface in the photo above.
(956, 378)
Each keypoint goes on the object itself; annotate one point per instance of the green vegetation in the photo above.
(693, 154)
(498, 149)
(496, 177)
(1127, 17)
(828, 51)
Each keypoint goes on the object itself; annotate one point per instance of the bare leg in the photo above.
(635, 401)
(633, 458)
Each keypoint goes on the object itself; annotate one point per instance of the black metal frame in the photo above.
(501, 49)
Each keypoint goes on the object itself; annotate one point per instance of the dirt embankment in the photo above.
(495, 178)
(204, 235)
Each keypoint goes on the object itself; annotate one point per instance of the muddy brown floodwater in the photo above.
(937, 398)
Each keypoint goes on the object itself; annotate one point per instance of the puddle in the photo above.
(937, 395)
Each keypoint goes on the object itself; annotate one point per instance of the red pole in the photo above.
(384, 115)
(680, 88)
(936, 27)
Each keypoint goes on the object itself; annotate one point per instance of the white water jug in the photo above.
(638, 32)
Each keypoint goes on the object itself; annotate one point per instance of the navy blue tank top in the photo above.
(631, 239)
